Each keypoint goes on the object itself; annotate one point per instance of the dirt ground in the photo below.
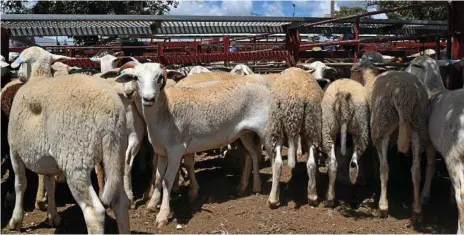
(219, 210)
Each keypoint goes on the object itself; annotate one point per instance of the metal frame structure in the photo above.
(291, 48)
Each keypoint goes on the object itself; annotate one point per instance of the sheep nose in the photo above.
(353, 164)
(129, 93)
(151, 99)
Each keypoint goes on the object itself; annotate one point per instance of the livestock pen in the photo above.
(266, 44)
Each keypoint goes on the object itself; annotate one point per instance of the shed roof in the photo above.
(108, 25)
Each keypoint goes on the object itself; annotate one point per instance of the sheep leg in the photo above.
(273, 201)
(382, 152)
(173, 162)
(40, 197)
(332, 177)
(431, 154)
(120, 208)
(311, 167)
(354, 166)
(87, 199)
(151, 188)
(53, 218)
(19, 169)
(131, 151)
(189, 162)
(456, 172)
(157, 186)
(247, 168)
(100, 178)
(291, 158)
(176, 184)
(416, 177)
(250, 145)
(299, 151)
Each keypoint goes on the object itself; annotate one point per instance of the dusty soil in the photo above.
(219, 210)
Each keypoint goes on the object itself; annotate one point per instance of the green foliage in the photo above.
(90, 8)
(349, 11)
(437, 12)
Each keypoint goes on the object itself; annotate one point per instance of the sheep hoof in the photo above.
(425, 200)
(313, 202)
(40, 205)
(273, 205)
(15, 224)
(383, 213)
(329, 203)
(416, 218)
(161, 223)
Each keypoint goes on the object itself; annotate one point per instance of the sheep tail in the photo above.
(344, 108)
(113, 167)
(343, 138)
(404, 135)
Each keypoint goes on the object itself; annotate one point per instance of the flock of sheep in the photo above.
(63, 126)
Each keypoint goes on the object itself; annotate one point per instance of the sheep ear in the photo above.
(111, 74)
(4, 64)
(95, 59)
(174, 75)
(19, 60)
(60, 58)
(126, 75)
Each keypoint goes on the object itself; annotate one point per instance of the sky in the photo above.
(261, 8)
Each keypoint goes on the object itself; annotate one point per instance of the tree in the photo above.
(90, 8)
(437, 12)
(348, 11)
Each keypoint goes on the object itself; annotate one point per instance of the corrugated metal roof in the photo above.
(107, 25)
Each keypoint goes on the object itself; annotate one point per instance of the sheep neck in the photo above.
(41, 70)
(369, 76)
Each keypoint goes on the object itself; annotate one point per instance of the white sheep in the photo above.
(398, 102)
(136, 129)
(445, 126)
(186, 120)
(82, 123)
(344, 110)
(295, 110)
(3, 65)
(242, 69)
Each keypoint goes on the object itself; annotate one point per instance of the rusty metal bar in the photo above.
(365, 40)
(356, 37)
(376, 64)
(333, 20)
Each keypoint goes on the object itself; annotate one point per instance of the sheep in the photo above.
(242, 69)
(345, 111)
(3, 65)
(206, 77)
(198, 69)
(295, 109)
(41, 68)
(324, 74)
(203, 118)
(398, 102)
(445, 126)
(81, 124)
(136, 131)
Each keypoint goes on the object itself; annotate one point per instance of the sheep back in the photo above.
(206, 77)
(395, 92)
(345, 101)
(67, 118)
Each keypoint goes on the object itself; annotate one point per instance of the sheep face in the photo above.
(242, 69)
(321, 71)
(35, 59)
(150, 79)
(198, 69)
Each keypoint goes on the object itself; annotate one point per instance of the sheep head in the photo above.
(198, 69)
(242, 69)
(148, 79)
(4, 65)
(35, 61)
(427, 70)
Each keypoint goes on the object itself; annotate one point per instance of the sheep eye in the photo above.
(160, 79)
